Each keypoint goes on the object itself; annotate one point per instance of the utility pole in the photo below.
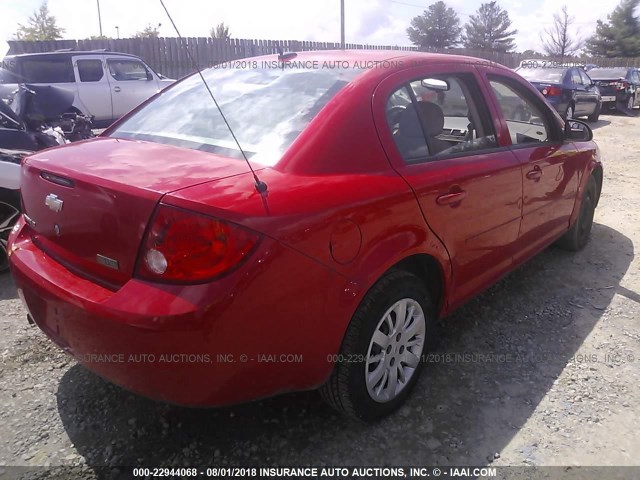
(342, 24)
(99, 17)
(118, 30)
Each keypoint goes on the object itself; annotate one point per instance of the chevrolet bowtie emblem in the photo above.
(53, 202)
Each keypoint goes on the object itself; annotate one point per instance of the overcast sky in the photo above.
(381, 22)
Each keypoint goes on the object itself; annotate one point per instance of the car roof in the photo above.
(383, 55)
(392, 60)
(68, 53)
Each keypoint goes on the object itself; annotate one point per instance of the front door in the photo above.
(131, 84)
(551, 167)
(591, 93)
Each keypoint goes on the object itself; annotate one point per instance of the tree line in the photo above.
(490, 29)
(43, 26)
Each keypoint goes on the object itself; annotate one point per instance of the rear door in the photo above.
(93, 86)
(469, 189)
(551, 168)
(131, 83)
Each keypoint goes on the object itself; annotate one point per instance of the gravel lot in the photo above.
(568, 393)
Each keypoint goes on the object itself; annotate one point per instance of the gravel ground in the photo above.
(551, 376)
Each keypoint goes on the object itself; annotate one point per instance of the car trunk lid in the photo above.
(89, 204)
(608, 86)
(548, 89)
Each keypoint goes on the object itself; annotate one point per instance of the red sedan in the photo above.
(398, 186)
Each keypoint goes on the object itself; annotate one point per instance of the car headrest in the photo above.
(432, 117)
(408, 124)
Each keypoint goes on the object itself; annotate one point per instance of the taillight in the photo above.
(188, 247)
(551, 91)
(621, 85)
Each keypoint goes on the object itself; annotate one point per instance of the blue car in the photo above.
(570, 90)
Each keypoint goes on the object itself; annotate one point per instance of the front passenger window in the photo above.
(90, 70)
(126, 70)
(524, 119)
(585, 79)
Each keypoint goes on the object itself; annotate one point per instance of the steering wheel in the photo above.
(393, 113)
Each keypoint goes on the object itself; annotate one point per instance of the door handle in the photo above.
(116, 89)
(451, 198)
(534, 174)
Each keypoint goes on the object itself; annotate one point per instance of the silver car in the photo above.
(106, 84)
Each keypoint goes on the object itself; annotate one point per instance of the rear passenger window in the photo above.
(48, 70)
(90, 70)
(575, 75)
(428, 123)
(524, 119)
(125, 70)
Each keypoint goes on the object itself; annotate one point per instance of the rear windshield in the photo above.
(266, 108)
(607, 73)
(551, 75)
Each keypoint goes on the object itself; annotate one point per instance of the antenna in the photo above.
(261, 187)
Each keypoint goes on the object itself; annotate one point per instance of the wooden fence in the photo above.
(167, 55)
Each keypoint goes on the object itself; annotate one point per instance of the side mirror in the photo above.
(149, 76)
(577, 131)
(435, 84)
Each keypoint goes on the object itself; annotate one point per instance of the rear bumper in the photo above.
(615, 99)
(202, 345)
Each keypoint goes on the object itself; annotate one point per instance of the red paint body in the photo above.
(342, 208)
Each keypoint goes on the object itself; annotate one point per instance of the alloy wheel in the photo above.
(8, 217)
(395, 350)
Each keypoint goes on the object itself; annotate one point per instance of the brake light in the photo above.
(187, 247)
(621, 85)
(552, 91)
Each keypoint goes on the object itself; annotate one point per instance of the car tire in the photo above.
(596, 113)
(569, 112)
(351, 388)
(9, 214)
(578, 235)
(631, 101)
